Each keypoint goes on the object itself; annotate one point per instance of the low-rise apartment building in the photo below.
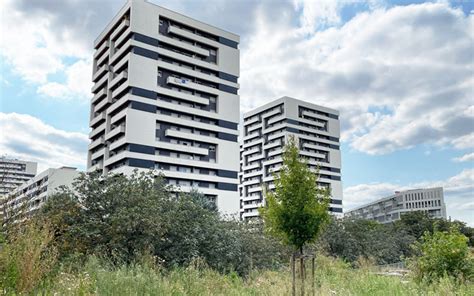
(390, 208)
(26, 199)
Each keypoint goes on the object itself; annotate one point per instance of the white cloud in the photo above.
(315, 14)
(78, 83)
(465, 158)
(458, 194)
(35, 49)
(400, 76)
(27, 137)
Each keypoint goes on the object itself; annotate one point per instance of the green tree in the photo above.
(112, 216)
(297, 208)
(122, 217)
(443, 253)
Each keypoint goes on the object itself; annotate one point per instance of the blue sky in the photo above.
(400, 72)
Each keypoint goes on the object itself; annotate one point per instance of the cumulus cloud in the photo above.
(36, 48)
(458, 194)
(465, 158)
(77, 83)
(400, 76)
(404, 71)
(27, 137)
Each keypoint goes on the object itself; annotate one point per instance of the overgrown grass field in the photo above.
(333, 277)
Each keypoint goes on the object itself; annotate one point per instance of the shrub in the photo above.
(26, 257)
(442, 254)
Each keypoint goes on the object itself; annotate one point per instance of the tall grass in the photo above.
(27, 259)
(333, 277)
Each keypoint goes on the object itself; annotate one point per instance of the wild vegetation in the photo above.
(117, 235)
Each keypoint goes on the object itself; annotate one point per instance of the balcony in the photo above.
(250, 214)
(97, 166)
(99, 95)
(116, 33)
(184, 45)
(314, 116)
(101, 49)
(102, 104)
(100, 71)
(98, 154)
(100, 84)
(119, 78)
(191, 85)
(183, 148)
(99, 141)
(182, 96)
(178, 31)
(97, 119)
(116, 131)
(97, 130)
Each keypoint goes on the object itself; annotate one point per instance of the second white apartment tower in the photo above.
(165, 97)
(266, 130)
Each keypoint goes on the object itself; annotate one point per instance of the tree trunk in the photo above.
(293, 274)
(302, 272)
(312, 274)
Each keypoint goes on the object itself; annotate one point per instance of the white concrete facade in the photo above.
(266, 130)
(14, 172)
(166, 98)
(30, 196)
(389, 209)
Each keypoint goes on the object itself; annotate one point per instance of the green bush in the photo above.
(443, 254)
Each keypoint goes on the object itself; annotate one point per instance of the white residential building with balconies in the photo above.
(165, 97)
(27, 198)
(14, 172)
(266, 130)
(389, 209)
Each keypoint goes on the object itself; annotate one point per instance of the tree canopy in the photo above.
(297, 208)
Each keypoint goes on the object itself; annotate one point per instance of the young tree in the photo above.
(297, 208)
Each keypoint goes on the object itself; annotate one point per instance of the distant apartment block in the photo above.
(266, 130)
(165, 97)
(391, 208)
(26, 199)
(14, 172)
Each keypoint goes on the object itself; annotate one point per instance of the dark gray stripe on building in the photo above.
(227, 186)
(228, 42)
(228, 89)
(228, 77)
(145, 52)
(335, 210)
(141, 92)
(227, 174)
(227, 137)
(141, 163)
(142, 106)
(336, 201)
(145, 39)
(330, 177)
(141, 149)
(227, 124)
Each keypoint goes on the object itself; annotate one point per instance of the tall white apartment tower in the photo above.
(165, 97)
(266, 130)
